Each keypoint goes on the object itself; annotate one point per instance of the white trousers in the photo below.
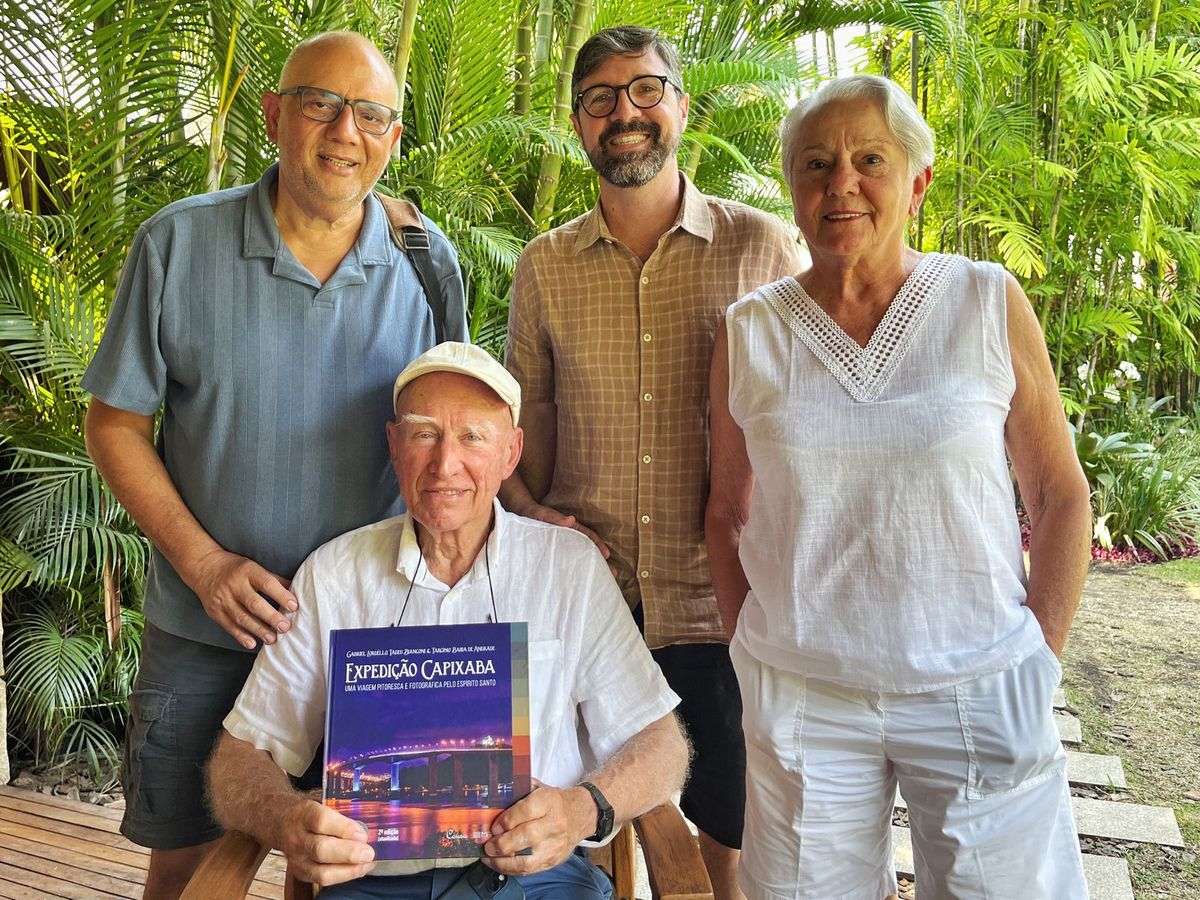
(979, 764)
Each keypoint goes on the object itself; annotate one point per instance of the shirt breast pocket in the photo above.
(547, 696)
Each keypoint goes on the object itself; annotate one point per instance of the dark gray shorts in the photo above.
(183, 692)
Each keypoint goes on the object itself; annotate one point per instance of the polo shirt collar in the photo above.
(410, 564)
(261, 238)
(694, 217)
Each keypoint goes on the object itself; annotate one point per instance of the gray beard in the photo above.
(629, 170)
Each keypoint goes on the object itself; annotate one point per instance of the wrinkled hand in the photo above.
(324, 847)
(554, 517)
(549, 820)
(232, 589)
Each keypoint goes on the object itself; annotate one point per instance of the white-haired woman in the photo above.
(864, 543)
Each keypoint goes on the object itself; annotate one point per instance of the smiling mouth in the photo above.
(843, 217)
(334, 161)
(632, 138)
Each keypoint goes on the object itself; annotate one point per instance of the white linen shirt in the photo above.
(882, 548)
(592, 682)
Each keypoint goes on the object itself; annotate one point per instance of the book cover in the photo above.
(427, 734)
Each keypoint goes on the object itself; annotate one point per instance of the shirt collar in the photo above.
(261, 237)
(409, 563)
(694, 217)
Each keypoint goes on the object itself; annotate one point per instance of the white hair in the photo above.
(904, 120)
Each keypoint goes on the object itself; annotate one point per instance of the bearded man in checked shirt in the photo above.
(610, 336)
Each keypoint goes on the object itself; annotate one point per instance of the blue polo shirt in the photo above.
(275, 389)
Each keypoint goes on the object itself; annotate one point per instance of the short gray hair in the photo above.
(625, 40)
(904, 120)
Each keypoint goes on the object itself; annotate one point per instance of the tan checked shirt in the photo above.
(623, 350)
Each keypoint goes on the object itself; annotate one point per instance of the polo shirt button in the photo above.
(646, 337)
(645, 520)
(647, 396)
(646, 458)
(645, 280)
(645, 573)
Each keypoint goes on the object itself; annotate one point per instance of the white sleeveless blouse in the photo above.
(883, 550)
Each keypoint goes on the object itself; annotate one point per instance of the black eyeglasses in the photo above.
(644, 92)
(325, 106)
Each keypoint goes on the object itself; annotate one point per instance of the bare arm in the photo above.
(1053, 487)
(522, 492)
(730, 484)
(250, 793)
(121, 444)
(643, 774)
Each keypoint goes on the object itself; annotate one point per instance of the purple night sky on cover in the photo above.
(382, 718)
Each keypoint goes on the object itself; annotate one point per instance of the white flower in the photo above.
(1111, 394)
(1157, 345)
(1084, 371)
(1129, 371)
(1132, 337)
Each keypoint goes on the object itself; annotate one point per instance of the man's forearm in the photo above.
(249, 792)
(644, 773)
(539, 422)
(122, 447)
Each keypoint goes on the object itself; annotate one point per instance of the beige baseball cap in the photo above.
(466, 359)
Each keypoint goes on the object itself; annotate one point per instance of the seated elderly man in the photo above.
(457, 557)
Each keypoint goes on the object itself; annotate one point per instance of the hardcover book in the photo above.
(427, 734)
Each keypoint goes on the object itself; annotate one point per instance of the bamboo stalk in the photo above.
(551, 167)
(408, 25)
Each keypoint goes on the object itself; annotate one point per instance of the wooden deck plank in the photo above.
(53, 853)
(101, 812)
(79, 846)
(68, 876)
(69, 829)
(53, 847)
(78, 814)
(10, 891)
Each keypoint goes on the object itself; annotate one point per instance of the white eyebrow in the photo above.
(414, 419)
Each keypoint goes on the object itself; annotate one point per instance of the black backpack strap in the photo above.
(408, 233)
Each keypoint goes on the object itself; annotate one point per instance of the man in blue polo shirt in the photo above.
(267, 322)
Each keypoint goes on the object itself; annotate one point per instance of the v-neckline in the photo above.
(865, 371)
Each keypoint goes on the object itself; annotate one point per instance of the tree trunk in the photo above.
(551, 167)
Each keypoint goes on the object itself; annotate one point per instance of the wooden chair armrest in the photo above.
(673, 862)
(228, 870)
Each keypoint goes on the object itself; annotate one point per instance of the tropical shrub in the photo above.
(110, 110)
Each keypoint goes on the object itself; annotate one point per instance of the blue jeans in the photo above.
(575, 879)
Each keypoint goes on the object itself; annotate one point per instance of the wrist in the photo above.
(604, 820)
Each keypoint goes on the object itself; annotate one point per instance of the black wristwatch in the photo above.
(604, 812)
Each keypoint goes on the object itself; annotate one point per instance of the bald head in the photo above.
(347, 47)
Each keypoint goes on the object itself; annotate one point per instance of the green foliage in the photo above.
(109, 111)
(1069, 150)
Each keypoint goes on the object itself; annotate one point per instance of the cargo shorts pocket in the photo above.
(1007, 721)
(150, 765)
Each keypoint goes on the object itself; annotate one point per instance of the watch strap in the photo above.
(604, 812)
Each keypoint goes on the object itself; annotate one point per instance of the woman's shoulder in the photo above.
(761, 296)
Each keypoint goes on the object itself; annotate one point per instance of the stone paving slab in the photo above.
(1069, 729)
(1060, 699)
(1095, 768)
(1126, 821)
(1107, 877)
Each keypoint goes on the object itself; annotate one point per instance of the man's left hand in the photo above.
(550, 821)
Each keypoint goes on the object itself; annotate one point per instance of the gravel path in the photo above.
(1133, 677)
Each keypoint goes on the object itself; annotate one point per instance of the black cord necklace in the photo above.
(487, 562)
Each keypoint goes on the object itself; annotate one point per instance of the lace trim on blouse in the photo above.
(865, 371)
